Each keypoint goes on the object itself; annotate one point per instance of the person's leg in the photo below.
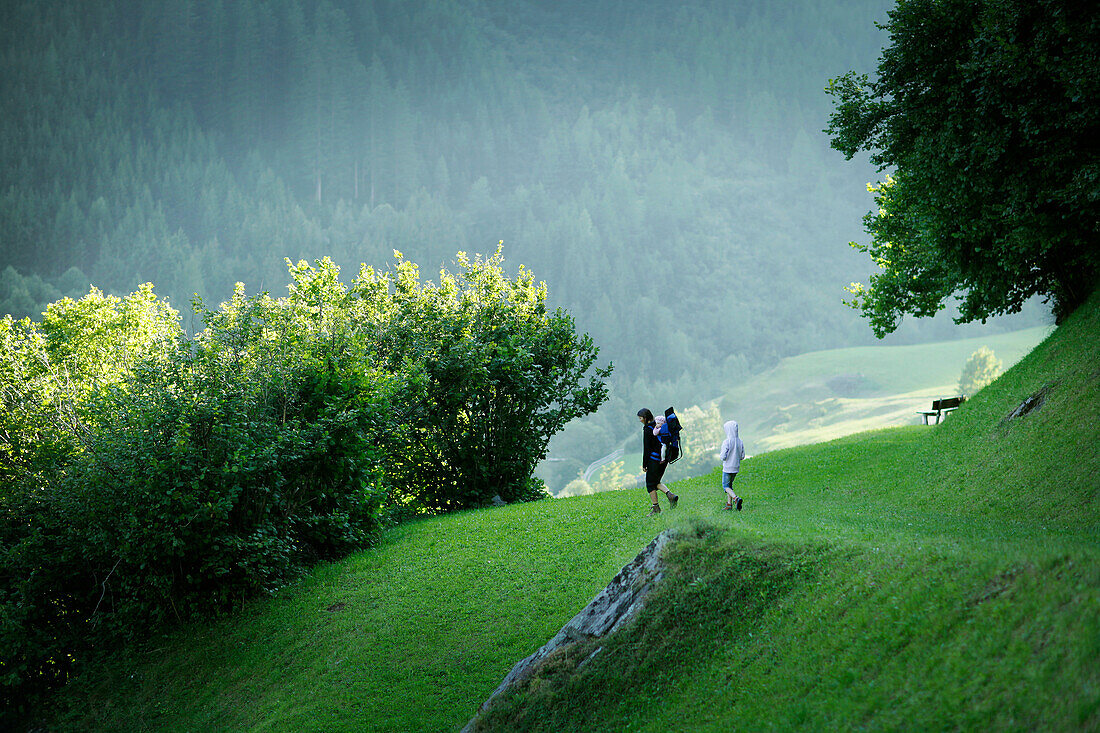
(653, 478)
(653, 497)
(727, 486)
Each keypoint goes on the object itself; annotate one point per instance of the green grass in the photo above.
(420, 628)
(909, 578)
(892, 369)
(824, 395)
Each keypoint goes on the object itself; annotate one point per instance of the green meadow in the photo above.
(821, 395)
(913, 578)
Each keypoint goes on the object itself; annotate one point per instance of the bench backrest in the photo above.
(947, 403)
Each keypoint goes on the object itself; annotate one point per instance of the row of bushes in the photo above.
(150, 477)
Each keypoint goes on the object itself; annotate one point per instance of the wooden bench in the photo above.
(941, 408)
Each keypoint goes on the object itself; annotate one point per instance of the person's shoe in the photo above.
(672, 499)
(728, 507)
(739, 503)
(655, 510)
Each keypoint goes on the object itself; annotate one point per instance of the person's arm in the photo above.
(725, 450)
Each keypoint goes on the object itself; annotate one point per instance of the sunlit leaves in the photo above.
(986, 112)
(151, 477)
(493, 375)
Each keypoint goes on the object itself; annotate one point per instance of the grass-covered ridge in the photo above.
(920, 577)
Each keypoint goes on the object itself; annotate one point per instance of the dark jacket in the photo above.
(651, 447)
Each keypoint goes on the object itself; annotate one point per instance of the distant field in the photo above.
(824, 395)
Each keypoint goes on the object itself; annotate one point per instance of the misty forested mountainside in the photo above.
(659, 164)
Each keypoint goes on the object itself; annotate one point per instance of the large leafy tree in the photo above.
(986, 116)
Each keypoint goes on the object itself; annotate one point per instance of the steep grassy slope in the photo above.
(912, 578)
(919, 577)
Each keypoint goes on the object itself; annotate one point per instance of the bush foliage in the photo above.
(150, 477)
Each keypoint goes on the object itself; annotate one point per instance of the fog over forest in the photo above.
(661, 166)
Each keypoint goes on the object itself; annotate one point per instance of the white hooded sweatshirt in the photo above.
(733, 450)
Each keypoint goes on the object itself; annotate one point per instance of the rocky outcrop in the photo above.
(1034, 402)
(611, 608)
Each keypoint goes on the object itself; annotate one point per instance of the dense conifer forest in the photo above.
(660, 165)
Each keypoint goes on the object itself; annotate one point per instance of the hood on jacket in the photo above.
(731, 430)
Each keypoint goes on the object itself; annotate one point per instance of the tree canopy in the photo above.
(986, 115)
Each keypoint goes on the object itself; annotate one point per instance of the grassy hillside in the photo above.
(823, 395)
(916, 577)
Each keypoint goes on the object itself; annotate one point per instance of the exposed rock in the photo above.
(497, 501)
(1034, 402)
(611, 608)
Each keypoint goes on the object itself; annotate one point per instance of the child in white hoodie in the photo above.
(733, 450)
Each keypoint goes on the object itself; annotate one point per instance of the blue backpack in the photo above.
(669, 436)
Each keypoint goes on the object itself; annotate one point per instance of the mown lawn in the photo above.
(893, 614)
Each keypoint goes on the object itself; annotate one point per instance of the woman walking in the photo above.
(652, 464)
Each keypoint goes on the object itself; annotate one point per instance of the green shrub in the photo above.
(151, 478)
(214, 469)
(488, 376)
(535, 490)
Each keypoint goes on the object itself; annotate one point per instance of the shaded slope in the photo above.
(1042, 465)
